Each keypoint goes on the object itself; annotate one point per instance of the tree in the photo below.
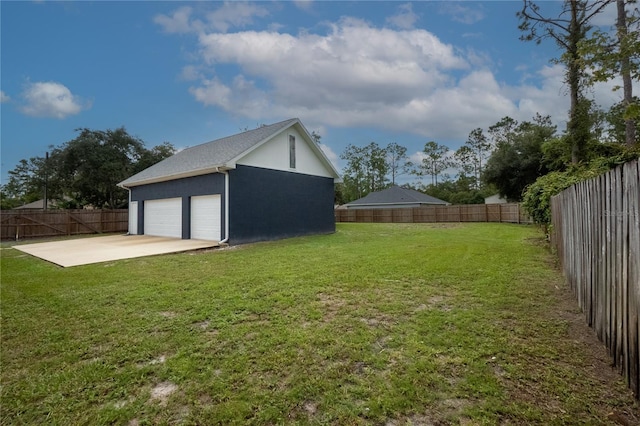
(480, 147)
(502, 130)
(377, 168)
(518, 159)
(316, 137)
(617, 131)
(7, 201)
(397, 161)
(568, 30)
(608, 56)
(460, 191)
(353, 175)
(366, 170)
(94, 162)
(557, 151)
(85, 170)
(435, 160)
(27, 181)
(464, 162)
(154, 155)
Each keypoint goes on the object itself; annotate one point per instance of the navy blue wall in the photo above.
(269, 204)
(187, 187)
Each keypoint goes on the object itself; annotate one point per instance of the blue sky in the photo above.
(191, 72)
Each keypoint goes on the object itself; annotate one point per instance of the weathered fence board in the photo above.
(510, 212)
(20, 224)
(596, 231)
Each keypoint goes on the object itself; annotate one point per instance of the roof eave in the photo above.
(190, 173)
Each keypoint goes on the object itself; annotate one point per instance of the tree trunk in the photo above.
(625, 72)
(578, 141)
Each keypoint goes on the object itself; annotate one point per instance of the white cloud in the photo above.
(607, 17)
(4, 97)
(462, 13)
(240, 96)
(178, 22)
(417, 157)
(303, 4)
(354, 72)
(358, 75)
(548, 97)
(405, 18)
(50, 99)
(190, 73)
(235, 14)
(227, 16)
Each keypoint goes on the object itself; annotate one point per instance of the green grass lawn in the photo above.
(386, 324)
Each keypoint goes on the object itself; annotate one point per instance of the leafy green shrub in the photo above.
(537, 196)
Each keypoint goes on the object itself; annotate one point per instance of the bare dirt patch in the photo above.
(331, 304)
(382, 343)
(160, 360)
(202, 324)
(379, 320)
(162, 391)
(443, 414)
(311, 408)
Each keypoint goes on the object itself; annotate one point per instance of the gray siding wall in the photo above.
(268, 204)
(185, 188)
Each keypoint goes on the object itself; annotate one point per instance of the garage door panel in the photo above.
(163, 218)
(205, 217)
(133, 218)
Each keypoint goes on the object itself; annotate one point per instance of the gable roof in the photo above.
(38, 204)
(220, 154)
(396, 195)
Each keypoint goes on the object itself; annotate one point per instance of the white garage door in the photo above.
(163, 218)
(205, 217)
(133, 218)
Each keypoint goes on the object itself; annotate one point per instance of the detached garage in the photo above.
(268, 183)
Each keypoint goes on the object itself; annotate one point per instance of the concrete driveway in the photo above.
(84, 251)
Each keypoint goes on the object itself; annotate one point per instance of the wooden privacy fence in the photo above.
(509, 212)
(19, 224)
(596, 231)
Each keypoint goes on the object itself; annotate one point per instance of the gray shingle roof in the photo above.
(208, 156)
(396, 195)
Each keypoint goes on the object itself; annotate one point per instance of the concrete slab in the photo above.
(84, 251)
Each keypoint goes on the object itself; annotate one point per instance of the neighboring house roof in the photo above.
(495, 199)
(39, 204)
(395, 195)
(220, 154)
